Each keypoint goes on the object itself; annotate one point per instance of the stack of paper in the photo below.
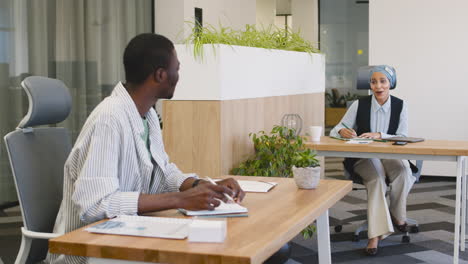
(164, 227)
(207, 231)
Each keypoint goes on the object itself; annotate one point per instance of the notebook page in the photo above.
(256, 186)
(223, 208)
(147, 226)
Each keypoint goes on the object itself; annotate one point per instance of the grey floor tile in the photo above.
(442, 247)
(9, 246)
(290, 261)
(434, 257)
(385, 260)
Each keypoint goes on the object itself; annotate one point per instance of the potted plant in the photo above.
(276, 155)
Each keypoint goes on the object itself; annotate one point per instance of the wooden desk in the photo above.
(274, 219)
(442, 150)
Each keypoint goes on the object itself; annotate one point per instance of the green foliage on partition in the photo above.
(276, 154)
(270, 37)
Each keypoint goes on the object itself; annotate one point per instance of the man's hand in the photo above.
(347, 133)
(237, 193)
(371, 135)
(203, 197)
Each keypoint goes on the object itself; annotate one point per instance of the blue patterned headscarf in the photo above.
(389, 71)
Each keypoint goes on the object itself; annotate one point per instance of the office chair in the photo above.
(362, 83)
(37, 157)
(412, 223)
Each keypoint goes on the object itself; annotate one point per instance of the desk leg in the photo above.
(463, 205)
(323, 236)
(456, 240)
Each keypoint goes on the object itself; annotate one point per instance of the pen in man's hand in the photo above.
(225, 194)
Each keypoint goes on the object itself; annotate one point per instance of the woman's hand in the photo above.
(371, 135)
(347, 133)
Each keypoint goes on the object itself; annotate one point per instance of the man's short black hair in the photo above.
(144, 54)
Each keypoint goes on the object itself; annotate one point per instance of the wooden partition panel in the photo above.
(211, 137)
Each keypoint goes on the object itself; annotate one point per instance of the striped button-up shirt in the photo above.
(109, 166)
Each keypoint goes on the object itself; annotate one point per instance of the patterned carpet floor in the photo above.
(431, 203)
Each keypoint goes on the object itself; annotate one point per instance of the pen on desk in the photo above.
(380, 140)
(225, 194)
(344, 139)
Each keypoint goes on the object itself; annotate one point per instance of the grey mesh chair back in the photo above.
(37, 158)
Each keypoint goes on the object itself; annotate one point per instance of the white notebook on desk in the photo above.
(256, 186)
(147, 226)
(223, 208)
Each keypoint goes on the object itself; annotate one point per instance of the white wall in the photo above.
(169, 19)
(305, 18)
(426, 41)
(266, 13)
(170, 15)
(235, 14)
(283, 7)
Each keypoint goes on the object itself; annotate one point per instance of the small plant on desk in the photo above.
(275, 155)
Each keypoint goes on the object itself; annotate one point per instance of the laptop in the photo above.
(405, 139)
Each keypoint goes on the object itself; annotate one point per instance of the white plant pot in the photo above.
(306, 178)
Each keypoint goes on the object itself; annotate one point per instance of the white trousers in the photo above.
(373, 173)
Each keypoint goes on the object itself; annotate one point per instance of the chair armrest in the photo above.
(40, 235)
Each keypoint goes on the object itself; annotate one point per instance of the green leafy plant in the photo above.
(270, 37)
(275, 154)
(334, 99)
(351, 97)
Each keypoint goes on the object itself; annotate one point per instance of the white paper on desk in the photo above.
(360, 141)
(223, 208)
(147, 226)
(256, 186)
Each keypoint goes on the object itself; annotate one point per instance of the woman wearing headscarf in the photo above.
(379, 116)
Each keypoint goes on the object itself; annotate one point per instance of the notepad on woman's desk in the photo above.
(223, 208)
(132, 225)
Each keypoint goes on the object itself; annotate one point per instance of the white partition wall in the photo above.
(427, 42)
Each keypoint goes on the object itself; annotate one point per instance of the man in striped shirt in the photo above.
(118, 165)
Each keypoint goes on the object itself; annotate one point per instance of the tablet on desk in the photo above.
(406, 139)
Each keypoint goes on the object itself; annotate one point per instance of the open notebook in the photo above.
(132, 225)
(256, 186)
(223, 208)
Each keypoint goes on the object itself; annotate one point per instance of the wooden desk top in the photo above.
(274, 219)
(427, 147)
